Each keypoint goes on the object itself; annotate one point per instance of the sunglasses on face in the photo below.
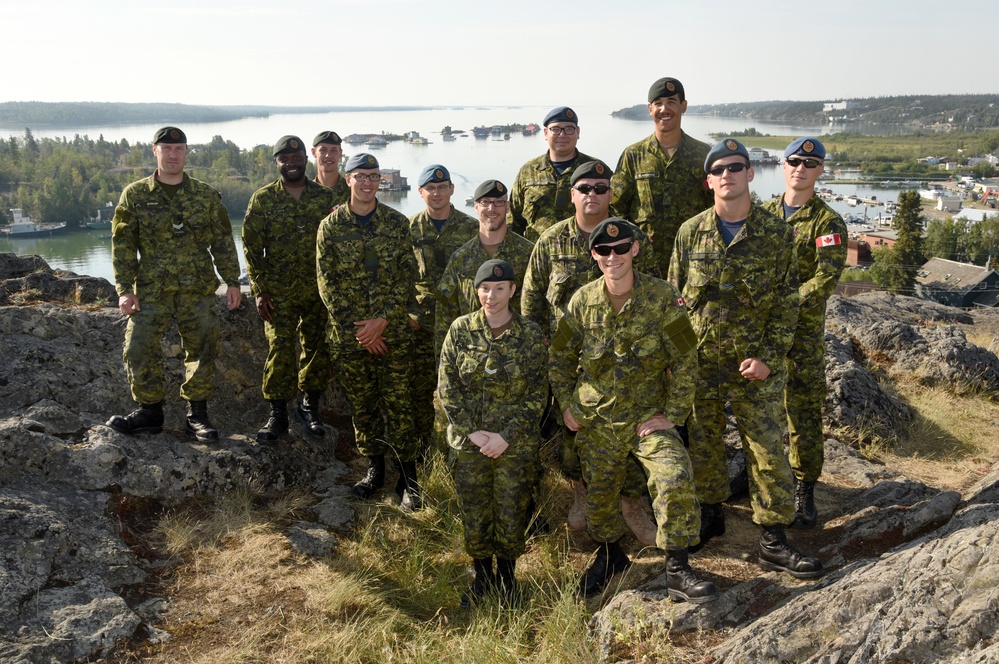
(599, 189)
(732, 168)
(619, 249)
(809, 163)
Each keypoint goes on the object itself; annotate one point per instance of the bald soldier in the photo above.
(540, 195)
(328, 151)
(821, 238)
(659, 181)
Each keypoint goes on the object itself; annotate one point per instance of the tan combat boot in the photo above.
(577, 513)
(636, 516)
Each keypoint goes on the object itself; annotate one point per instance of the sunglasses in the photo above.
(809, 163)
(599, 189)
(619, 249)
(732, 168)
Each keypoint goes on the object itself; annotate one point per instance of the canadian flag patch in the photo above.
(680, 302)
(828, 240)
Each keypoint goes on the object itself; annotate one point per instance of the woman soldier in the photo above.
(493, 385)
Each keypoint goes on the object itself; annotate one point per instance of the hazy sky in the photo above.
(450, 52)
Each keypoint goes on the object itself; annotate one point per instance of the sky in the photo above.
(513, 52)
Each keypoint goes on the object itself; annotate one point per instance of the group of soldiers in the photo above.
(633, 304)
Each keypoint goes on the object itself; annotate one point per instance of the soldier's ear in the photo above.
(634, 248)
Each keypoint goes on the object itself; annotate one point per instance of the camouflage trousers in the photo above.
(494, 495)
(423, 381)
(606, 450)
(804, 397)
(302, 321)
(760, 425)
(377, 388)
(198, 324)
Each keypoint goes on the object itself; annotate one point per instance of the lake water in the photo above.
(470, 160)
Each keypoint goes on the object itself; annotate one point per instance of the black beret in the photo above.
(433, 173)
(169, 135)
(666, 87)
(327, 137)
(596, 170)
(363, 160)
(561, 114)
(610, 230)
(806, 147)
(490, 189)
(727, 147)
(494, 270)
(288, 145)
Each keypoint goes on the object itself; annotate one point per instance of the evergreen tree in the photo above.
(943, 239)
(895, 267)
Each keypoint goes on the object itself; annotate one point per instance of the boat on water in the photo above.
(449, 137)
(481, 131)
(23, 227)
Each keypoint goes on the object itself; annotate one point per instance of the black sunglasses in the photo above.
(585, 189)
(619, 249)
(732, 168)
(809, 163)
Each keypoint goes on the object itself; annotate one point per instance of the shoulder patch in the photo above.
(681, 334)
(562, 336)
(828, 240)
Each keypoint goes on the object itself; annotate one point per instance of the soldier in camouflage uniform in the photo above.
(559, 265)
(736, 268)
(659, 181)
(279, 245)
(437, 232)
(168, 229)
(623, 365)
(540, 195)
(456, 289)
(327, 151)
(366, 274)
(492, 389)
(820, 236)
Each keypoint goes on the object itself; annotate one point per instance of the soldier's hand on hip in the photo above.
(129, 304)
(570, 421)
(754, 369)
(657, 422)
(233, 297)
(265, 306)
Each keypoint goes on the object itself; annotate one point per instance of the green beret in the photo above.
(169, 135)
(494, 270)
(288, 145)
(727, 147)
(490, 189)
(610, 230)
(327, 137)
(363, 160)
(666, 87)
(595, 170)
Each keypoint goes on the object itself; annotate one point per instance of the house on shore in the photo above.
(958, 284)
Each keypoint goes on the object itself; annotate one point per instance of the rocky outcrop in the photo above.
(31, 279)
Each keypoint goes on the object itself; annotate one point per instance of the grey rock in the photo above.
(31, 276)
(311, 539)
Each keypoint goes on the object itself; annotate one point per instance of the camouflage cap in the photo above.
(494, 270)
(490, 189)
(327, 137)
(611, 230)
(433, 173)
(666, 87)
(169, 135)
(806, 146)
(288, 145)
(727, 147)
(561, 114)
(594, 170)
(363, 160)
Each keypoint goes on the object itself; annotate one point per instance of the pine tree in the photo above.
(895, 267)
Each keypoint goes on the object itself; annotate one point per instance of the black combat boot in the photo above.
(308, 415)
(683, 584)
(374, 479)
(277, 423)
(805, 514)
(712, 524)
(147, 418)
(483, 582)
(506, 579)
(776, 555)
(610, 560)
(198, 425)
(408, 488)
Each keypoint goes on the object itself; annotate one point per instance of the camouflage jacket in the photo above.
(659, 193)
(432, 252)
(365, 271)
(279, 238)
(624, 368)
(540, 196)
(742, 300)
(456, 290)
(492, 384)
(177, 238)
(560, 264)
(821, 239)
(341, 191)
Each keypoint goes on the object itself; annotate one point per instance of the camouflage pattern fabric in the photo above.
(456, 290)
(760, 426)
(540, 196)
(366, 272)
(819, 269)
(493, 384)
(341, 191)
(658, 193)
(279, 246)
